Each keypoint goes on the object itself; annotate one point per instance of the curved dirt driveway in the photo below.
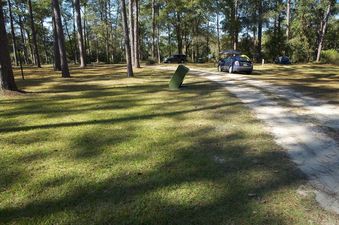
(307, 128)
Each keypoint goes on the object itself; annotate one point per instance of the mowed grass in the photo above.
(316, 80)
(101, 148)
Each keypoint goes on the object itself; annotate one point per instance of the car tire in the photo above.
(230, 69)
(249, 72)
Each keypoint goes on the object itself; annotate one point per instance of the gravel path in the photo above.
(298, 126)
(307, 128)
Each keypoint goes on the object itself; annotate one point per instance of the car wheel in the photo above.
(249, 72)
(230, 69)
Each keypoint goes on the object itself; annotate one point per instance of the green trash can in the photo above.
(178, 77)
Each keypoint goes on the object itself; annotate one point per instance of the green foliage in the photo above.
(330, 56)
(150, 61)
(301, 51)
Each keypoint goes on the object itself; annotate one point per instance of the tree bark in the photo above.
(82, 52)
(153, 29)
(23, 40)
(131, 27)
(127, 40)
(178, 31)
(158, 44)
(169, 39)
(218, 34)
(15, 51)
(57, 63)
(61, 39)
(288, 18)
(7, 81)
(36, 50)
(136, 35)
(260, 22)
(322, 30)
(31, 48)
(75, 52)
(235, 31)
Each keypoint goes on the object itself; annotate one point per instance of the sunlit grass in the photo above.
(101, 148)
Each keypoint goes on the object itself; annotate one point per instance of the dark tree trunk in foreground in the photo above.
(127, 40)
(36, 50)
(13, 33)
(57, 64)
(7, 81)
(61, 39)
(80, 35)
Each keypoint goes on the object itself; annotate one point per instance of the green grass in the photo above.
(101, 148)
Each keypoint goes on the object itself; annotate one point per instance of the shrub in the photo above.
(330, 56)
(301, 51)
(150, 61)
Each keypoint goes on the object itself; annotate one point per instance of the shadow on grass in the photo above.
(206, 192)
(134, 174)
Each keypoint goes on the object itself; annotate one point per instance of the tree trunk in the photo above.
(85, 32)
(136, 35)
(218, 34)
(15, 51)
(82, 52)
(36, 50)
(260, 21)
(44, 42)
(178, 31)
(23, 40)
(322, 30)
(158, 44)
(288, 18)
(127, 40)
(7, 81)
(57, 63)
(131, 27)
(235, 31)
(169, 39)
(153, 29)
(61, 39)
(75, 52)
(31, 48)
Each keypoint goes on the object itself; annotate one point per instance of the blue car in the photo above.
(237, 63)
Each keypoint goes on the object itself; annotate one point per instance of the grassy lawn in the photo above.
(320, 81)
(101, 148)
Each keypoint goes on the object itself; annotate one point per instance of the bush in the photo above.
(150, 61)
(301, 51)
(330, 56)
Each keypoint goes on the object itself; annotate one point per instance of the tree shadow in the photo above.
(125, 169)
